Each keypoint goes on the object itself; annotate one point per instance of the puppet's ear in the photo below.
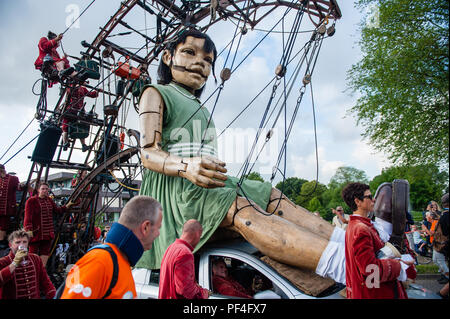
(167, 58)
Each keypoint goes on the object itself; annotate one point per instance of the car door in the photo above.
(147, 283)
(244, 268)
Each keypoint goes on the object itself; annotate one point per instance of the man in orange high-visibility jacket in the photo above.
(90, 277)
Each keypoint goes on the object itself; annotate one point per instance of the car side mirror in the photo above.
(266, 294)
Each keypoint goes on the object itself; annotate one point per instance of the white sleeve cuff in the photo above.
(332, 262)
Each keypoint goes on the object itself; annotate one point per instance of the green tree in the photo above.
(291, 187)
(402, 80)
(332, 197)
(314, 205)
(309, 191)
(255, 176)
(345, 175)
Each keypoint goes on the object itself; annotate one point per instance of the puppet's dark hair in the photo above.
(164, 72)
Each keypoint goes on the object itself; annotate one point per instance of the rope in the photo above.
(41, 107)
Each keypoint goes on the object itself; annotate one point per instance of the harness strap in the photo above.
(115, 275)
(114, 278)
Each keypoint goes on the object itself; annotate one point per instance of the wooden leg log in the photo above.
(275, 237)
(298, 215)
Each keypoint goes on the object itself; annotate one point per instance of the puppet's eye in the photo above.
(189, 51)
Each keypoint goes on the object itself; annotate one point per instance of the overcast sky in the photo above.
(23, 22)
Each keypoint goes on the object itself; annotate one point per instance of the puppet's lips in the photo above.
(196, 72)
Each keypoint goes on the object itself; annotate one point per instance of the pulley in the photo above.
(322, 29)
(269, 134)
(331, 30)
(307, 79)
(225, 74)
(111, 110)
(280, 70)
(107, 53)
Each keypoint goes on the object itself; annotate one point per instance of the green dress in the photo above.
(184, 127)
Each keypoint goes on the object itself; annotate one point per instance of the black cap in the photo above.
(51, 35)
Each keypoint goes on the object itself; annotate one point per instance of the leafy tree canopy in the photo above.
(402, 80)
(255, 176)
(291, 187)
(347, 174)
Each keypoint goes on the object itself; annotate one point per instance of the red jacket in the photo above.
(229, 287)
(77, 97)
(39, 217)
(45, 47)
(177, 275)
(8, 187)
(27, 281)
(368, 277)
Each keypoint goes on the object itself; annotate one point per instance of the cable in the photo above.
(21, 149)
(121, 184)
(17, 138)
(41, 107)
(283, 63)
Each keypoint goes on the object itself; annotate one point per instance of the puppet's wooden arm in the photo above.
(203, 171)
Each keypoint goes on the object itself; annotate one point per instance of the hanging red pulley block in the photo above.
(125, 70)
(122, 140)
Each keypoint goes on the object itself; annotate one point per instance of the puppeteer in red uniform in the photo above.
(225, 284)
(364, 269)
(9, 184)
(38, 221)
(24, 276)
(177, 276)
(48, 45)
(27, 281)
(229, 287)
(367, 274)
(76, 103)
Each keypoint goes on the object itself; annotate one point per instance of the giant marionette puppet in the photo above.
(179, 152)
(184, 174)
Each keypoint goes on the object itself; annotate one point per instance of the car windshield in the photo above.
(234, 278)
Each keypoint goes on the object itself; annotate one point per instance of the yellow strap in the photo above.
(121, 184)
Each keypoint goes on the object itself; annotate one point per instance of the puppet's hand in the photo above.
(205, 171)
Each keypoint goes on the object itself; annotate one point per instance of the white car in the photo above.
(243, 265)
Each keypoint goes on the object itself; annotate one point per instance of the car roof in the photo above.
(235, 244)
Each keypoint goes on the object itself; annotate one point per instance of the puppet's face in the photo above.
(190, 65)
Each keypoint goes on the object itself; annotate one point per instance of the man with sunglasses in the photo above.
(367, 277)
(340, 219)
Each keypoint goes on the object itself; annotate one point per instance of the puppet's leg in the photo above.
(298, 215)
(275, 237)
(285, 241)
